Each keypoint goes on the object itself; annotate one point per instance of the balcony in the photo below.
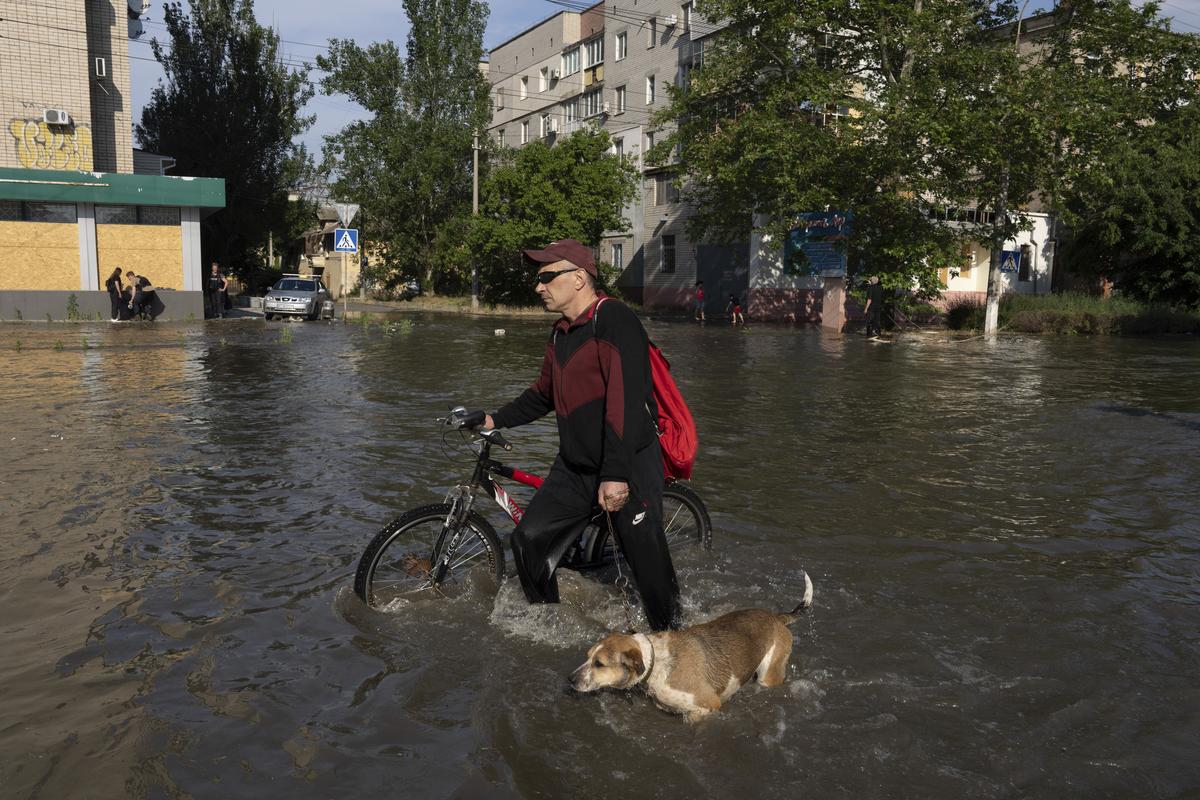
(593, 75)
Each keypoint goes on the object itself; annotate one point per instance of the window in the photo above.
(665, 190)
(619, 148)
(592, 103)
(500, 137)
(666, 254)
(622, 46)
(158, 215)
(618, 255)
(826, 51)
(593, 52)
(1023, 267)
(687, 16)
(499, 99)
(653, 29)
(525, 132)
(49, 212)
(650, 90)
(570, 110)
(524, 86)
(649, 141)
(116, 215)
(570, 61)
(544, 79)
(619, 97)
(10, 210)
(545, 125)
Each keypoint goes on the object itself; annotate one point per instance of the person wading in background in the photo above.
(595, 376)
(874, 307)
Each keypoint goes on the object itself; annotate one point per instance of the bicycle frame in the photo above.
(485, 465)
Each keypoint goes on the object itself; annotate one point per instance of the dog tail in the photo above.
(805, 602)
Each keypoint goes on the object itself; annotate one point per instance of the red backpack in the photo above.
(676, 428)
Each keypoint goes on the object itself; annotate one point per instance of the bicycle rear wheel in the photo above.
(401, 560)
(686, 525)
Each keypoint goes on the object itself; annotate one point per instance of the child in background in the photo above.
(734, 309)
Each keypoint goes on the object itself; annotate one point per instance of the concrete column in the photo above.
(833, 304)
(89, 270)
(193, 270)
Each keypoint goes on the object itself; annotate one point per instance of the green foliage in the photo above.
(943, 102)
(1076, 313)
(409, 165)
(537, 194)
(73, 307)
(230, 108)
(1137, 219)
(58, 345)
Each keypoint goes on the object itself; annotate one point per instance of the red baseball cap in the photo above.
(571, 250)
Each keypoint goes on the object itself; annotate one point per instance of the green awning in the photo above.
(111, 188)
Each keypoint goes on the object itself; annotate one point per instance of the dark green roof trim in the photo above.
(110, 188)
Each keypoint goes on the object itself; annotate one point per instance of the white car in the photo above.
(295, 295)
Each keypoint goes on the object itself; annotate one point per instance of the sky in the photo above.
(307, 25)
(303, 23)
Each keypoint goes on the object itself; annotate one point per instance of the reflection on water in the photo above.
(1003, 539)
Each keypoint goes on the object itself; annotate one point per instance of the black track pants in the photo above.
(559, 512)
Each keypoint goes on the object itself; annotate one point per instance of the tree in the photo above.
(894, 109)
(409, 165)
(1138, 220)
(230, 108)
(539, 193)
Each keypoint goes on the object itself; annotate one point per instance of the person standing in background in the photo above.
(215, 289)
(115, 290)
(700, 300)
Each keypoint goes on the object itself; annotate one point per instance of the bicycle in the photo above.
(441, 547)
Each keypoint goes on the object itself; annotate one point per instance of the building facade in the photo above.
(610, 66)
(74, 203)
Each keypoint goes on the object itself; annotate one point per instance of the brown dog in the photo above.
(693, 671)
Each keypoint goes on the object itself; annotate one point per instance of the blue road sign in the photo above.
(1010, 260)
(345, 240)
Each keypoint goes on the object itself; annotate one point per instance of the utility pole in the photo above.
(475, 213)
(270, 250)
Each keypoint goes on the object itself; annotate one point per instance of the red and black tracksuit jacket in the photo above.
(596, 379)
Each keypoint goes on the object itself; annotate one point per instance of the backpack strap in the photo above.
(649, 413)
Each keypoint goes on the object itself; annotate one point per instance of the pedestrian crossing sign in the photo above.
(1010, 260)
(345, 240)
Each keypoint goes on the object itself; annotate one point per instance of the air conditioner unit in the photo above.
(555, 75)
(56, 116)
(671, 20)
(101, 68)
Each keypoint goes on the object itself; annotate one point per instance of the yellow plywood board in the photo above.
(39, 256)
(152, 251)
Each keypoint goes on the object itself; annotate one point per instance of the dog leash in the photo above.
(622, 578)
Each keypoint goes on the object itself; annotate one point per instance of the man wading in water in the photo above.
(596, 378)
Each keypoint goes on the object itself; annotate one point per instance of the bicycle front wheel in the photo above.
(685, 525)
(403, 558)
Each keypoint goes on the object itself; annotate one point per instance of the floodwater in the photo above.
(1004, 540)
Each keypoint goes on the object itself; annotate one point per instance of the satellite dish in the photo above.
(138, 7)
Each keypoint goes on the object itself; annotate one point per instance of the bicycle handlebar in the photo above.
(471, 420)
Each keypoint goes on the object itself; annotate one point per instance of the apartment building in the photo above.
(75, 201)
(613, 62)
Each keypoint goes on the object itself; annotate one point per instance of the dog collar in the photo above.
(639, 638)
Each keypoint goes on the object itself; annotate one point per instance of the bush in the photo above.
(1076, 313)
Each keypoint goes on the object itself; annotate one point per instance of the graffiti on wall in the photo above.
(42, 146)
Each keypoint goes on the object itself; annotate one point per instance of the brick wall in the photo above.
(47, 58)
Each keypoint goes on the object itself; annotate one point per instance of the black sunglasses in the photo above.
(545, 277)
